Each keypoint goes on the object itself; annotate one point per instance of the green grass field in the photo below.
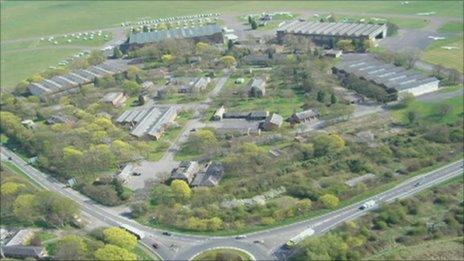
(29, 19)
(429, 110)
(452, 27)
(231, 253)
(18, 65)
(448, 58)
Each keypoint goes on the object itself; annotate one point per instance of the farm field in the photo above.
(448, 58)
(451, 27)
(20, 19)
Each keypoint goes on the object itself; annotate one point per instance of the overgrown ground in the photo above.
(427, 226)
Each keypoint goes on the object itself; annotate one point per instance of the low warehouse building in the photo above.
(273, 122)
(117, 99)
(258, 88)
(322, 33)
(148, 121)
(304, 116)
(388, 76)
(208, 33)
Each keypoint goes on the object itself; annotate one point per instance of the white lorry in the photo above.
(300, 237)
(367, 204)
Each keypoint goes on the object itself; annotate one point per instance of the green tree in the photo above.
(55, 210)
(71, 247)
(249, 19)
(230, 45)
(132, 72)
(115, 253)
(333, 99)
(346, 45)
(444, 110)
(11, 188)
(120, 237)
(117, 52)
(254, 24)
(181, 189)
(131, 87)
(330, 200)
(228, 61)
(24, 208)
(321, 96)
(325, 144)
(412, 116)
(167, 58)
(96, 57)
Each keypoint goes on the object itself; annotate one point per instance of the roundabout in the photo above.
(221, 253)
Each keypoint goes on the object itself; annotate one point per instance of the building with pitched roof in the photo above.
(273, 122)
(14, 246)
(149, 121)
(70, 83)
(257, 88)
(304, 116)
(186, 171)
(211, 177)
(208, 33)
(323, 33)
(117, 99)
(392, 78)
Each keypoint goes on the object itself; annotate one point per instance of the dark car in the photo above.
(9, 158)
(258, 241)
(417, 184)
(136, 174)
(167, 234)
(193, 130)
(155, 245)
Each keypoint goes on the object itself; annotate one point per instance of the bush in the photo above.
(104, 194)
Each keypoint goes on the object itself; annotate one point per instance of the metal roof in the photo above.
(384, 74)
(156, 36)
(332, 29)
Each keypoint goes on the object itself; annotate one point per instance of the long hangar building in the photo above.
(208, 33)
(330, 33)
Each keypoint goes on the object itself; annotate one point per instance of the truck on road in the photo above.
(367, 204)
(300, 237)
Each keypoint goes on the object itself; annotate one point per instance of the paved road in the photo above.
(183, 246)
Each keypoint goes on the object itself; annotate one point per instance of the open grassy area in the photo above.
(453, 58)
(430, 110)
(452, 27)
(231, 254)
(28, 19)
(18, 65)
(445, 249)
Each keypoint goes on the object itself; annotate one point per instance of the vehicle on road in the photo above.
(155, 245)
(417, 184)
(167, 234)
(367, 204)
(193, 130)
(300, 237)
(136, 174)
(258, 241)
(240, 237)
(9, 158)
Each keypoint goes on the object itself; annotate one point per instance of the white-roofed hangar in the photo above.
(388, 76)
(322, 33)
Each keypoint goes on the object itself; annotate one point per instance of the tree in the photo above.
(23, 208)
(117, 52)
(71, 247)
(330, 200)
(11, 188)
(167, 58)
(321, 96)
(392, 29)
(21, 88)
(368, 44)
(131, 87)
(55, 210)
(132, 72)
(214, 223)
(249, 19)
(181, 189)
(111, 252)
(228, 61)
(325, 144)
(254, 24)
(230, 45)
(120, 237)
(346, 45)
(333, 99)
(444, 110)
(138, 209)
(96, 57)
(412, 116)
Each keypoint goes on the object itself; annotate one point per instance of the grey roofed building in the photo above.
(211, 32)
(219, 114)
(148, 120)
(258, 87)
(186, 171)
(210, 177)
(386, 75)
(258, 115)
(236, 115)
(69, 83)
(273, 122)
(125, 173)
(304, 116)
(59, 119)
(19, 251)
(328, 33)
(115, 98)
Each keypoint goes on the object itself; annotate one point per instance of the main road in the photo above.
(184, 247)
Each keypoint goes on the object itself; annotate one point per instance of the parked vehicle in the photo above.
(368, 204)
(167, 233)
(155, 245)
(240, 237)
